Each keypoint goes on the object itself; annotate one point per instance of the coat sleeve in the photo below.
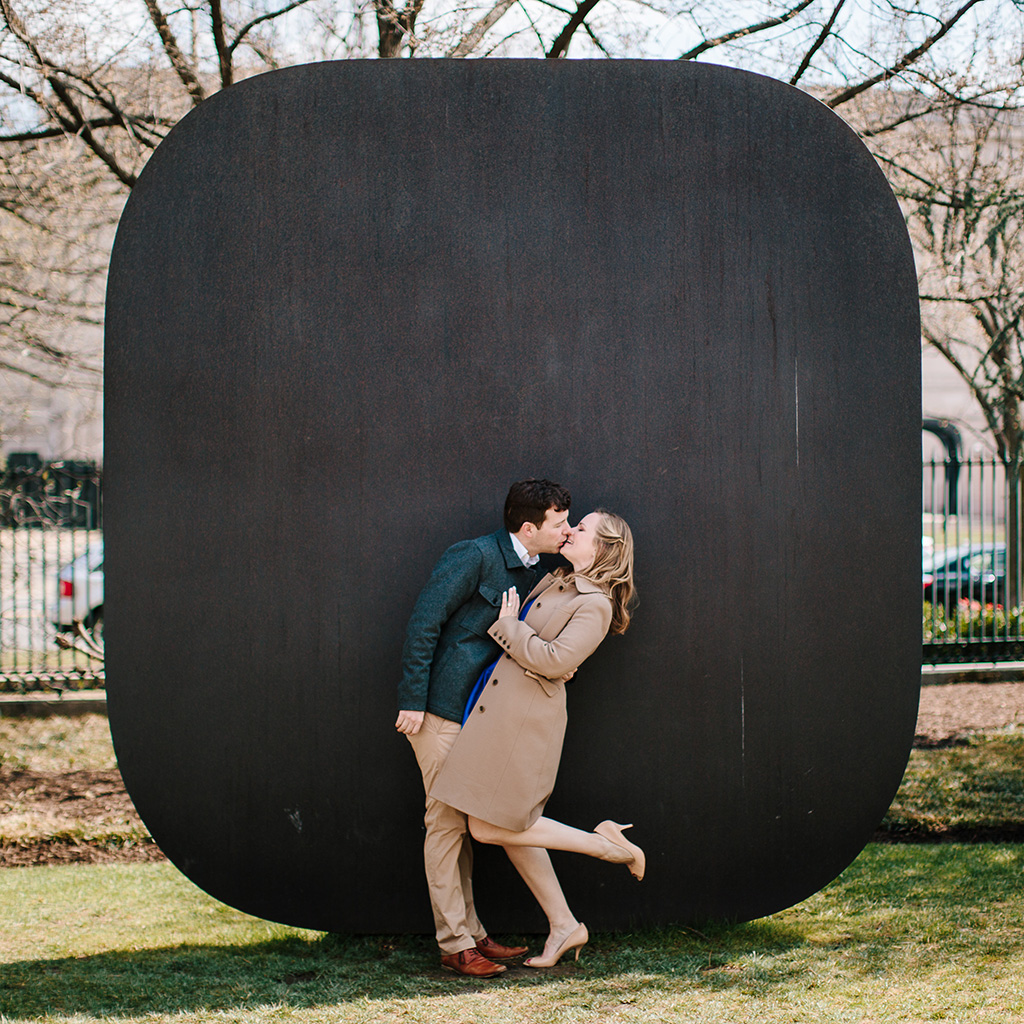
(452, 583)
(576, 641)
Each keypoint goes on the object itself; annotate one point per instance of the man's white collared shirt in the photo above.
(524, 556)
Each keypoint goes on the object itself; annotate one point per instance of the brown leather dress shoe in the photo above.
(496, 951)
(471, 963)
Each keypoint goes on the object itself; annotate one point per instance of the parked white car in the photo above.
(80, 592)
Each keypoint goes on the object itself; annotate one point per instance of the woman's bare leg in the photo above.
(535, 867)
(549, 834)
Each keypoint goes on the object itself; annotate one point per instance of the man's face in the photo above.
(547, 538)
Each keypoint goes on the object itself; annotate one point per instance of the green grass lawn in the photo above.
(56, 743)
(907, 933)
(975, 787)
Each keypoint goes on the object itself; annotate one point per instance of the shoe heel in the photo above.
(535, 961)
(612, 831)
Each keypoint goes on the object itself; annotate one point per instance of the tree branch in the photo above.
(749, 30)
(220, 43)
(174, 54)
(818, 43)
(82, 129)
(73, 122)
(533, 24)
(246, 29)
(269, 16)
(31, 374)
(951, 100)
(593, 38)
(905, 61)
(57, 133)
(561, 44)
(471, 40)
(965, 300)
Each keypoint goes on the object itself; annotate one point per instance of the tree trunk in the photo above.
(390, 38)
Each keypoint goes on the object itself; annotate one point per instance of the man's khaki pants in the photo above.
(447, 848)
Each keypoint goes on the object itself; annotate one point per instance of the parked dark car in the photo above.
(970, 572)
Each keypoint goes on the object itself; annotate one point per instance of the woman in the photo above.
(502, 767)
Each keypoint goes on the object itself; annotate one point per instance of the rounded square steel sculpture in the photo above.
(348, 304)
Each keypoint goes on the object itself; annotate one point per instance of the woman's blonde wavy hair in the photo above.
(612, 567)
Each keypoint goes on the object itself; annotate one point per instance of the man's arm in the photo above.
(452, 583)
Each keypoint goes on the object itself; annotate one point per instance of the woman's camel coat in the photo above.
(503, 765)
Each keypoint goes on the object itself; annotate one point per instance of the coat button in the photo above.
(538, 604)
(482, 709)
(494, 682)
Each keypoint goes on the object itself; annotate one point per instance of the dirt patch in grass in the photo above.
(952, 834)
(76, 817)
(60, 852)
(949, 714)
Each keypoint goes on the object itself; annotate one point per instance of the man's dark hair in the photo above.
(528, 501)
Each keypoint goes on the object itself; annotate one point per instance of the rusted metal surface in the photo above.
(348, 304)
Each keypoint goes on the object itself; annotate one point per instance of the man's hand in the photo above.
(568, 675)
(409, 722)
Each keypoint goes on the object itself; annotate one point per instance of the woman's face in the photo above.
(581, 544)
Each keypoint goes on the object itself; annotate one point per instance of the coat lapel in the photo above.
(508, 552)
(542, 585)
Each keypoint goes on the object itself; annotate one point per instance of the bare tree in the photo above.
(64, 63)
(75, 83)
(86, 95)
(57, 215)
(960, 177)
(89, 88)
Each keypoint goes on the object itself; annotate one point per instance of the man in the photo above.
(446, 649)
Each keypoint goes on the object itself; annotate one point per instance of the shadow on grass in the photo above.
(898, 912)
(335, 969)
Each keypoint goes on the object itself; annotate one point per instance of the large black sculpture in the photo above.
(348, 304)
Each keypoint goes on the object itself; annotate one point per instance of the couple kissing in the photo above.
(490, 644)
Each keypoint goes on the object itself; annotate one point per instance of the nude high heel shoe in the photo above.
(576, 939)
(612, 831)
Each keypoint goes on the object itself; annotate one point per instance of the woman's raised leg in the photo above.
(551, 835)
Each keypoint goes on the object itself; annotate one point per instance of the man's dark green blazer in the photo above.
(446, 642)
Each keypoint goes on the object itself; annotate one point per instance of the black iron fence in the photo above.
(51, 569)
(51, 574)
(971, 562)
